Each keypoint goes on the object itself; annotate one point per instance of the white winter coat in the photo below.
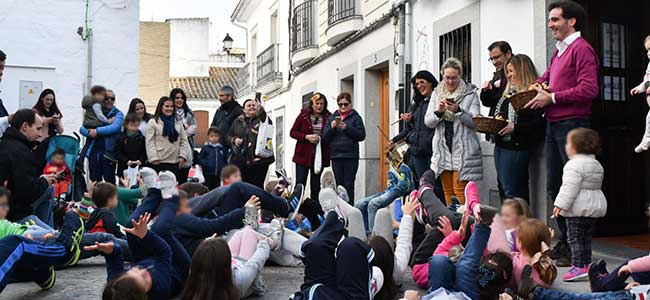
(467, 157)
(581, 194)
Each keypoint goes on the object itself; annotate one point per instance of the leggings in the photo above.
(244, 243)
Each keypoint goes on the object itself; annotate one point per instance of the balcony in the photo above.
(269, 77)
(244, 80)
(303, 33)
(343, 20)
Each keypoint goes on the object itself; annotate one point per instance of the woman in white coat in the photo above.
(457, 156)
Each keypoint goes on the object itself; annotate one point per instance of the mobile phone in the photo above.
(258, 97)
(451, 100)
(60, 176)
(337, 119)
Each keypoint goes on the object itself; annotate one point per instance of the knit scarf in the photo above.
(444, 93)
(169, 130)
(512, 114)
(180, 115)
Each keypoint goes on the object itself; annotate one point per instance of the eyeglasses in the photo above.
(110, 99)
(343, 104)
(493, 59)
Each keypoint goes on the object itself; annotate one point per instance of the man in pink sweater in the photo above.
(572, 79)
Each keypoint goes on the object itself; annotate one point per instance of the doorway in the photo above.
(384, 164)
(616, 33)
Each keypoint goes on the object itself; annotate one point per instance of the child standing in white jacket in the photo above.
(644, 88)
(581, 200)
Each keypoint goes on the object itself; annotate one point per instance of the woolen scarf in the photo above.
(169, 130)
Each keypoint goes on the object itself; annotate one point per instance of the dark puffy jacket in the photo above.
(416, 134)
(226, 115)
(246, 129)
(304, 153)
(529, 129)
(213, 158)
(345, 143)
(130, 148)
(18, 168)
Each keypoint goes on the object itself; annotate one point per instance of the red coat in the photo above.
(304, 149)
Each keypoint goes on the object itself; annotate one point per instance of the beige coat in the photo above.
(159, 149)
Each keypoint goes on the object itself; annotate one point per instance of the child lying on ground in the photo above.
(602, 281)
(33, 232)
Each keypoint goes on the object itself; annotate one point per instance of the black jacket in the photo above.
(18, 168)
(246, 129)
(529, 129)
(344, 143)
(103, 220)
(226, 115)
(3, 110)
(130, 148)
(490, 98)
(416, 134)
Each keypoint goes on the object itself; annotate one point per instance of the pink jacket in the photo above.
(518, 264)
(641, 264)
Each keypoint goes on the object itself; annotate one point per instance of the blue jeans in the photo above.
(549, 294)
(43, 208)
(370, 205)
(613, 282)
(36, 220)
(512, 171)
(556, 157)
(441, 269)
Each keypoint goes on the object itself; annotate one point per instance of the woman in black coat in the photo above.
(343, 131)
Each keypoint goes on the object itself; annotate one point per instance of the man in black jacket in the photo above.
(228, 111)
(18, 168)
(500, 53)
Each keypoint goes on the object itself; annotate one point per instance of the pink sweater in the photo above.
(573, 77)
(518, 264)
(641, 264)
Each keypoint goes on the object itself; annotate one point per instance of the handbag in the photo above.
(264, 144)
(318, 159)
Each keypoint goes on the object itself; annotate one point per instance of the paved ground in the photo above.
(86, 280)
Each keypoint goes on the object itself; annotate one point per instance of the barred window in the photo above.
(458, 43)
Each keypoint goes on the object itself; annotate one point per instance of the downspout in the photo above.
(86, 35)
(402, 67)
(408, 57)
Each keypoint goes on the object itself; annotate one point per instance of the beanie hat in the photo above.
(86, 207)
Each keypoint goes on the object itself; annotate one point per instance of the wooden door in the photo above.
(202, 124)
(385, 128)
(616, 33)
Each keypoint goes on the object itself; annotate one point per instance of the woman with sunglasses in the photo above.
(457, 157)
(344, 130)
(307, 130)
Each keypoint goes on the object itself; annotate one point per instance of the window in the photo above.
(614, 62)
(458, 44)
(306, 99)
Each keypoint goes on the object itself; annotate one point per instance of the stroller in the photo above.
(70, 145)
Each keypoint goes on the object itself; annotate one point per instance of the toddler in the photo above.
(58, 166)
(644, 87)
(581, 200)
(213, 158)
(94, 116)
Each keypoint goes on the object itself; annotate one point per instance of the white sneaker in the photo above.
(343, 193)
(276, 233)
(250, 217)
(327, 179)
(168, 184)
(150, 178)
(329, 201)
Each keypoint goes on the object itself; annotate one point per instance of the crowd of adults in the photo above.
(444, 147)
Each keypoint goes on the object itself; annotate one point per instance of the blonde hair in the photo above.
(524, 70)
(520, 206)
(453, 63)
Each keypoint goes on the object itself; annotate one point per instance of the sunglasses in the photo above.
(110, 98)
(343, 104)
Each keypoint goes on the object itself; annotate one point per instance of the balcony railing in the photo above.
(338, 10)
(267, 65)
(302, 26)
(244, 79)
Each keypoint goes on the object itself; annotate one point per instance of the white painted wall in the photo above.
(189, 47)
(42, 45)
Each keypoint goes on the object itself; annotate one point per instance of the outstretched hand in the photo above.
(106, 248)
(410, 205)
(445, 226)
(254, 201)
(139, 227)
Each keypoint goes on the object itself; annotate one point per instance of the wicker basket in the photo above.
(489, 125)
(519, 100)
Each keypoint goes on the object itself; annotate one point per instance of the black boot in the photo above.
(486, 214)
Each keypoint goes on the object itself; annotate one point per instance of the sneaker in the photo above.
(329, 201)
(428, 179)
(168, 184)
(420, 213)
(393, 178)
(527, 285)
(73, 222)
(471, 193)
(576, 274)
(283, 178)
(643, 146)
(327, 179)
(49, 282)
(597, 272)
(150, 178)
(486, 214)
(296, 199)
(250, 217)
(455, 204)
(276, 232)
(407, 175)
(343, 193)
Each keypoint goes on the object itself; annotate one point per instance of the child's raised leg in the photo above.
(238, 193)
(645, 142)
(441, 273)
(353, 258)
(468, 264)
(318, 253)
(244, 243)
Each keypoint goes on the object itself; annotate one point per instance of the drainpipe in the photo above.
(87, 35)
(401, 19)
(408, 57)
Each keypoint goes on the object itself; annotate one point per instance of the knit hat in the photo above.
(85, 207)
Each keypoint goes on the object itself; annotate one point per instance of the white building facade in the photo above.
(44, 51)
